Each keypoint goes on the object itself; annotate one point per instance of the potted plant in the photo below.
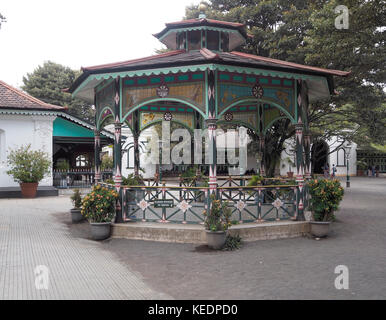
(99, 208)
(325, 195)
(76, 215)
(28, 168)
(217, 221)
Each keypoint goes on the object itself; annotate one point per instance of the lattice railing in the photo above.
(164, 204)
(261, 203)
(186, 204)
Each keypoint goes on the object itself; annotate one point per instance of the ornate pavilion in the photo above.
(203, 82)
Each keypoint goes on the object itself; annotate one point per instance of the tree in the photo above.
(2, 19)
(304, 32)
(360, 48)
(47, 83)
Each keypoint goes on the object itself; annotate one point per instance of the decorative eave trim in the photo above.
(194, 68)
(55, 114)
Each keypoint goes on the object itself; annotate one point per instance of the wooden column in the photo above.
(97, 159)
(136, 142)
(211, 123)
(302, 100)
(307, 155)
(118, 151)
(262, 154)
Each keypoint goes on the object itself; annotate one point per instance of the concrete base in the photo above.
(15, 192)
(193, 233)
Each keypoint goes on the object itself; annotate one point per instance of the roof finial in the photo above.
(202, 7)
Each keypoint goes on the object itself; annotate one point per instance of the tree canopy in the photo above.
(47, 82)
(2, 19)
(304, 32)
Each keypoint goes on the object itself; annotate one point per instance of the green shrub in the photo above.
(27, 165)
(133, 180)
(255, 181)
(76, 199)
(99, 204)
(232, 243)
(326, 195)
(218, 216)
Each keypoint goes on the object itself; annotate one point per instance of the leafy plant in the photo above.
(99, 204)
(326, 195)
(232, 243)
(109, 181)
(133, 180)
(27, 165)
(255, 181)
(218, 216)
(76, 199)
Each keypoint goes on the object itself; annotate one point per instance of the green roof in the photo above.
(65, 128)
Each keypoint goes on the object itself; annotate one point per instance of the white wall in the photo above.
(17, 130)
(332, 158)
(337, 155)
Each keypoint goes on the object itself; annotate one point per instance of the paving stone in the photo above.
(31, 235)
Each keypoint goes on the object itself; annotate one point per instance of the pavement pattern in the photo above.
(299, 268)
(39, 232)
(31, 235)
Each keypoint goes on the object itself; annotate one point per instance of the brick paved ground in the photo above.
(31, 235)
(39, 231)
(300, 268)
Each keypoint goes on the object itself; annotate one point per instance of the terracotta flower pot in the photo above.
(290, 174)
(28, 189)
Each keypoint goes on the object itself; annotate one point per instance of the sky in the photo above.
(80, 33)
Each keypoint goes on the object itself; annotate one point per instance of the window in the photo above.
(213, 40)
(181, 41)
(341, 158)
(195, 40)
(81, 161)
(224, 41)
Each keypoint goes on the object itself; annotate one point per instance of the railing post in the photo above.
(307, 152)
(163, 198)
(259, 204)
